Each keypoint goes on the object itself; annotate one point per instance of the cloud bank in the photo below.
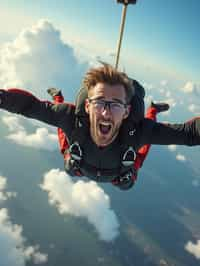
(13, 249)
(12, 244)
(38, 59)
(82, 199)
(40, 139)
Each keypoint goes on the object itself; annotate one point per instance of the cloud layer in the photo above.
(82, 199)
(13, 249)
(38, 59)
(40, 139)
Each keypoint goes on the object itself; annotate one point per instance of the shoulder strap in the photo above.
(128, 131)
(80, 102)
(81, 130)
(74, 153)
(137, 102)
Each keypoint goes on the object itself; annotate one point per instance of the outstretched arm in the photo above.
(24, 103)
(187, 133)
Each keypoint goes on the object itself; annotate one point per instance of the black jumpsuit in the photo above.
(63, 116)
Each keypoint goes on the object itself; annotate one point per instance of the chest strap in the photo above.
(74, 162)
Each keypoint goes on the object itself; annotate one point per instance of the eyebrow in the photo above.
(102, 98)
(96, 98)
(118, 100)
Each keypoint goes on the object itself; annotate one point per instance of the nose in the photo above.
(106, 111)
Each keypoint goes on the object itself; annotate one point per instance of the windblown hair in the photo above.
(107, 74)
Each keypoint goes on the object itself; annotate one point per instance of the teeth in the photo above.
(105, 123)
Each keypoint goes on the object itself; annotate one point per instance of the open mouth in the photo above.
(105, 127)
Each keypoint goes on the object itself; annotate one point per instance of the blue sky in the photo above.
(160, 35)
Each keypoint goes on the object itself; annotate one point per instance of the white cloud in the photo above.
(194, 249)
(13, 250)
(41, 139)
(82, 199)
(194, 108)
(172, 147)
(168, 94)
(38, 59)
(163, 83)
(148, 86)
(162, 90)
(12, 244)
(12, 122)
(190, 87)
(4, 195)
(34, 253)
(181, 157)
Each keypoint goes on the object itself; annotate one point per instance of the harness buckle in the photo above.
(75, 151)
(129, 157)
(73, 159)
(127, 177)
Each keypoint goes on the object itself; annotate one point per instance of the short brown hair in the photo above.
(107, 74)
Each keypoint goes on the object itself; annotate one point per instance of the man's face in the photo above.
(106, 119)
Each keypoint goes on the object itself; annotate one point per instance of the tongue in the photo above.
(104, 129)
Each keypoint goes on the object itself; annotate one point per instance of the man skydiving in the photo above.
(123, 182)
(104, 142)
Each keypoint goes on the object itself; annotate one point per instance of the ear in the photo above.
(127, 111)
(87, 106)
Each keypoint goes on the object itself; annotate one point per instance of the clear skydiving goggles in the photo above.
(115, 107)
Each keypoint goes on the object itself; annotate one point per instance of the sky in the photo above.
(160, 38)
(52, 43)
